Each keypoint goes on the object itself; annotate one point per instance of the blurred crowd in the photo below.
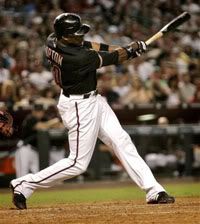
(169, 73)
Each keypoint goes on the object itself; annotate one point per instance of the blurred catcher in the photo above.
(85, 113)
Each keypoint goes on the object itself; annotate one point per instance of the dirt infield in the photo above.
(184, 211)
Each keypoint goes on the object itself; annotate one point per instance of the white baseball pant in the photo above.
(87, 119)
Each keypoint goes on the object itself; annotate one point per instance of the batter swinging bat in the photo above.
(171, 26)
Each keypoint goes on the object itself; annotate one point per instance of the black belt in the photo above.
(83, 96)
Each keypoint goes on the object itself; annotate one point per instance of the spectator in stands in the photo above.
(47, 98)
(173, 98)
(141, 66)
(179, 60)
(26, 95)
(93, 36)
(138, 93)
(21, 62)
(158, 86)
(40, 77)
(8, 93)
(105, 88)
(187, 89)
(4, 72)
(122, 86)
(22, 39)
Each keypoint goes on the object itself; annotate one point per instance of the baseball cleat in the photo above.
(162, 198)
(18, 199)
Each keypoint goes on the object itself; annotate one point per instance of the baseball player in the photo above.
(85, 113)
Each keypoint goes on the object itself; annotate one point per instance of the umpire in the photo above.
(85, 113)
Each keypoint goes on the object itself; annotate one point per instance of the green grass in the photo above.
(100, 194)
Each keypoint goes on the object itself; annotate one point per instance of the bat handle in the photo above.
(154, 37)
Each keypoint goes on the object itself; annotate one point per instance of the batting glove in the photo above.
(142, 47)
(135, 49)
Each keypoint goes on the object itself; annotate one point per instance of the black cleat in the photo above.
(18, 199)
(162, 198)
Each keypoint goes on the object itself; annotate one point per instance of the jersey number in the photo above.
(57, 75)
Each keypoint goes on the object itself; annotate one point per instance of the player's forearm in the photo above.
(122, 55)
(134, 49)
(103, 47)
(113, 48)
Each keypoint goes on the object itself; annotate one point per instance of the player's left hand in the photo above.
(6, 123)
(142, 47)
(135, 49)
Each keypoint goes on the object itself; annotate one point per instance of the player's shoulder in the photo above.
(51, 40)
(89, 54)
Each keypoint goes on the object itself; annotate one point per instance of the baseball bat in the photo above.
(171, 26)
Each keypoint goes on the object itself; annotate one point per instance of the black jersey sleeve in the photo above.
(102, 46)
(94, 60)
(108, 58)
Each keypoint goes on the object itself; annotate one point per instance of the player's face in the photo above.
(78, 40)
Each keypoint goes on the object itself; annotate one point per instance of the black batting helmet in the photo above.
(69, 24)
